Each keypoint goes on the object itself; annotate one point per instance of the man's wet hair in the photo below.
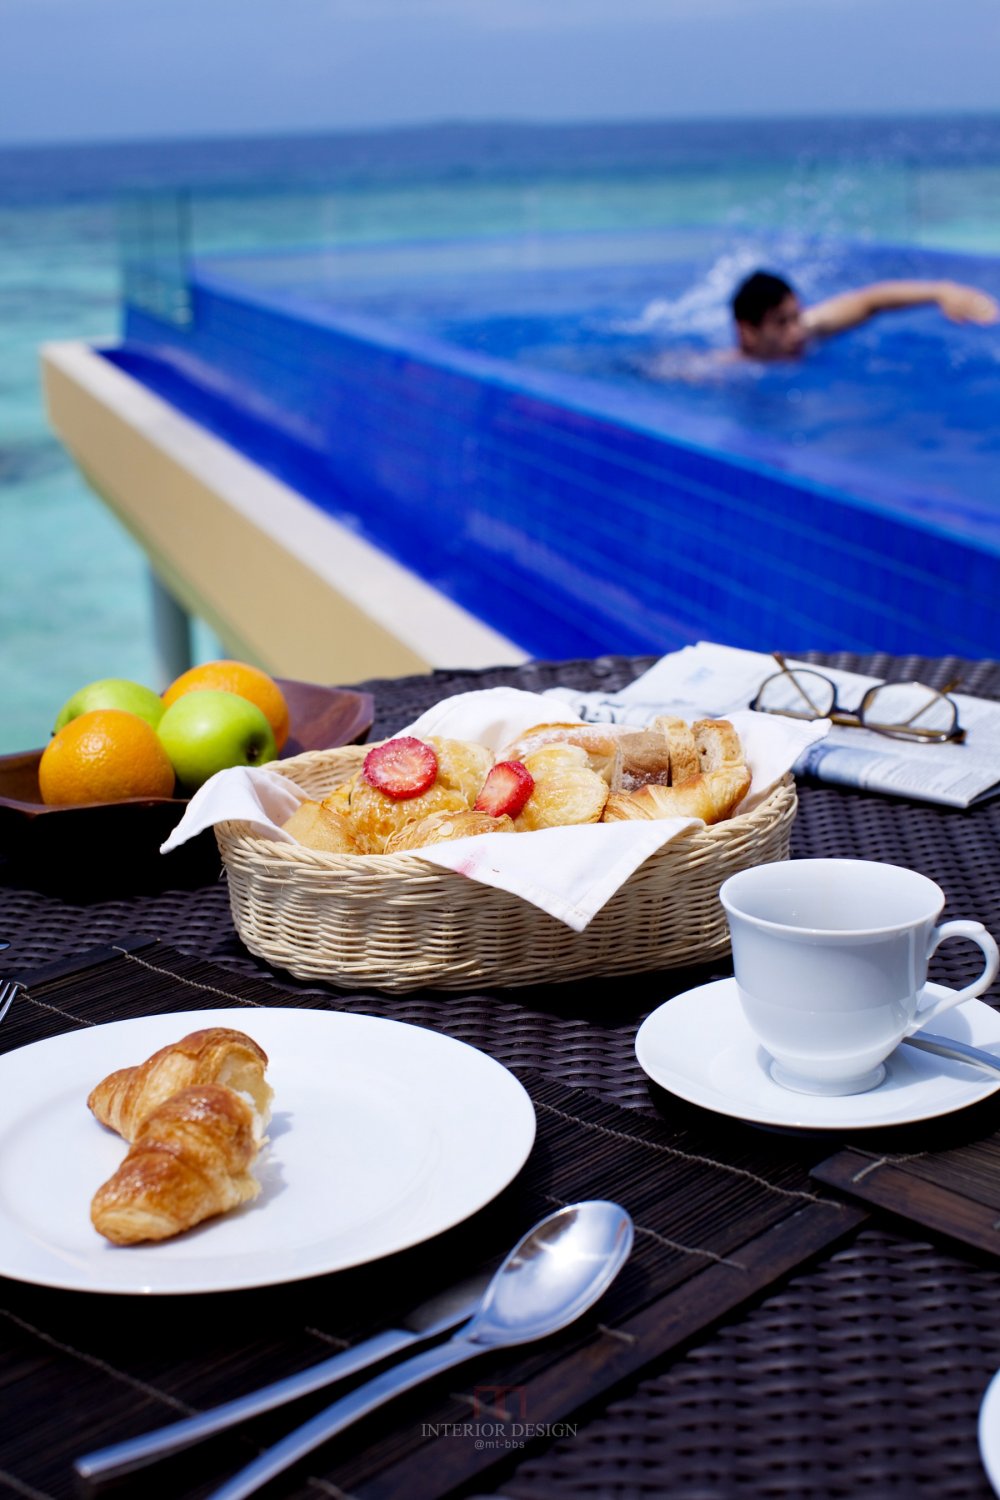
(757, 296)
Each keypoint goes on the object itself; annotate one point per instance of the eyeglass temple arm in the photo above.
(779, 658)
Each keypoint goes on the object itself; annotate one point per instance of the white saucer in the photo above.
(699, 1047)
(989, 1432)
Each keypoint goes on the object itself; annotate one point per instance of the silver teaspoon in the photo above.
(559, 1270)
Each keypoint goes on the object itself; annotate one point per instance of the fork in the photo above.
(8, 989)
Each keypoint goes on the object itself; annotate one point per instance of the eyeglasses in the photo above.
(901, 710)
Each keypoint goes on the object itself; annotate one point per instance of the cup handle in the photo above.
(977, 933)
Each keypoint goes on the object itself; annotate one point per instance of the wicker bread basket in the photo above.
(394, 922)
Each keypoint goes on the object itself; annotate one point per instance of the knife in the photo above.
(943, 1046)
(438, 1315)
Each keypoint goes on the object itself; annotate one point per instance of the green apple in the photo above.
(210, 731)
(112, 692)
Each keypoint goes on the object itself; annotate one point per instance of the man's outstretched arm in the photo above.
(962, 304)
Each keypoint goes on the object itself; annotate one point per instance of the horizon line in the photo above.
(511, 122)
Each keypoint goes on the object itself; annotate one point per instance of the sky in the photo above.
(128, 69)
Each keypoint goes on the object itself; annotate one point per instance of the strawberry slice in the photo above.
(506, 789)
(401, 768)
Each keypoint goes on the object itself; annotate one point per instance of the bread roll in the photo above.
(319, 827)
(217, 1055)
(717, 744)
(641, 758)
(190, 1160)
(684, 759)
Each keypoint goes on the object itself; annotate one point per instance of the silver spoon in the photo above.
(549, 1280)
(946, 1046)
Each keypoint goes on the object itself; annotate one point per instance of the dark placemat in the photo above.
(952, 1192)
(716, 1224)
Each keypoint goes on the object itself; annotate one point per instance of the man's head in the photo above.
(769, 322)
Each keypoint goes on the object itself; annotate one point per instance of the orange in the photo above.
(104, 756)
(240, 678)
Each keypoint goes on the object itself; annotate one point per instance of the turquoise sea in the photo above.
(74, 600)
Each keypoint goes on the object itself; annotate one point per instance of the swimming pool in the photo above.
(485, 413)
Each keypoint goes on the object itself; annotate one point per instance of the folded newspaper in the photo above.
(717, 680)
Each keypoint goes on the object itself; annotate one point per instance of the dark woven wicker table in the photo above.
(855, 1370)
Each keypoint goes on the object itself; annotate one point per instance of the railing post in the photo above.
(171, 632)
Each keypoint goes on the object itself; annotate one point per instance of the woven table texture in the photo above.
(859, 1377)
(858, 1380)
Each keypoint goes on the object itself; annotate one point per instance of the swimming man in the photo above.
(771, 323)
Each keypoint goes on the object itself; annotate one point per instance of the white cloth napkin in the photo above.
(568, 872)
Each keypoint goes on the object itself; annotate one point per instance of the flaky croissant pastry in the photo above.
(216, 1055)
(566, 789)
(437, 828)
(720, 781)
(712, 796)
(374, 817)
(190, 1160)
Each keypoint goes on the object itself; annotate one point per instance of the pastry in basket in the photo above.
(438, 827)
(712, 793)
(566, 789)
(685, 759)
(375, 817)
(642, 758)
(217, 1055)
(339, 800)
(463, 765)
(320, 827)
(598, 740)
(191, 1159)
(406, 779)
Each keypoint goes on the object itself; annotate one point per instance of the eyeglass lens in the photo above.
(909, 706)
(803, 695)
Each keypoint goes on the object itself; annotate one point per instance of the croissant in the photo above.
(190, 1160)
(216, 1055)
(712, 796)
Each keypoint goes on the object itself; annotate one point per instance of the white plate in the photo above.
(699, 1046)
(989, 1432)
(383, 1135)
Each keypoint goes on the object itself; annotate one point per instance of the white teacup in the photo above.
(831, 962)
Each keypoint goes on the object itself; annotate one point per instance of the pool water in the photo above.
(543, 429)
(901, 410)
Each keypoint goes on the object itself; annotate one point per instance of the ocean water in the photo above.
(74, 600)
